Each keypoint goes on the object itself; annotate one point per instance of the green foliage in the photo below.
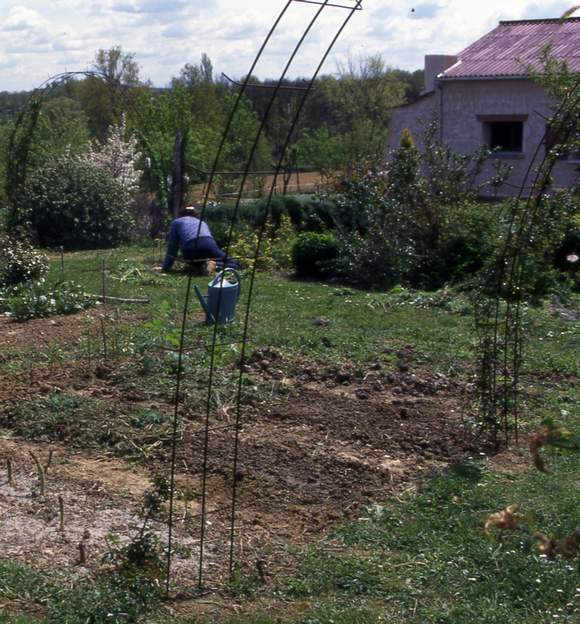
(407, 139)
(61, 131)
(322, 149)
(56, 416)
(313, 252)
(283, 238)
(6, 128)
(75, 204)
(39, 299)
(275, 252)
(19, 148)
(19, 262)
(121, 595)
(337, 613)
(109, 599)
(84, 423)
(417, 221)
(141, 558)
(322, 574)
(111, 91)
(361, 100)
(306, 212)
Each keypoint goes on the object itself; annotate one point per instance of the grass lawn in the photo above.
(334, 368)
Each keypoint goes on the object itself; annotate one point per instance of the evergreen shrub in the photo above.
(77, 205)
(313, 253)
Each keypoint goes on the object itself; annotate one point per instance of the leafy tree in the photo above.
(362, 96)
(198, 81)
(321, 149)
(62, 129)
(6, 128)
(111, 91)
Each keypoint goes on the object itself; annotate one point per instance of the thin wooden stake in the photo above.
(48, 461)
(82, 554)
(104, 335)
(61, 512)
(89, 355)
(41, 482)
(103, 281)
(116, 332)
(9, 471)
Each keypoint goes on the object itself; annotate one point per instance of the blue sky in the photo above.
(39, 38)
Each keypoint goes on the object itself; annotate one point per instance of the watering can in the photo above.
(222, 296)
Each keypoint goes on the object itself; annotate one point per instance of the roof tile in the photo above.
(507, 50)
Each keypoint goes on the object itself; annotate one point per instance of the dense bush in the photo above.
(75, 204)
(19, 261)
(417, 221)
(313, 253)
(37, 299)
(275, 248)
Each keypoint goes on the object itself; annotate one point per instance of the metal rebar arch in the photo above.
(177, 397)
(233, 221)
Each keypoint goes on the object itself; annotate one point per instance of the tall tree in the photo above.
(363, 95)
(112, 89)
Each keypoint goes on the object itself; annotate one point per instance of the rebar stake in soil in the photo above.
(40, 471)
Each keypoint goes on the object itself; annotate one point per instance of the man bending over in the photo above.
(192, 236)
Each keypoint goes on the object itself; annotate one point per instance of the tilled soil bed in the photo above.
(321, 454)
(339, 439)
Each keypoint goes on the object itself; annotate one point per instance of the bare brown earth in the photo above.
(337, 441)
(309, 182)
(38, 332)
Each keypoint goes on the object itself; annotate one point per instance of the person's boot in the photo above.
(209, 268)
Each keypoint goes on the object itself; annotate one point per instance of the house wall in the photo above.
(458, 104)
(413, 116)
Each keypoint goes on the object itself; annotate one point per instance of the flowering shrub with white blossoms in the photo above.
(77, 205)
(37, 299)
(19, 261)
(117, 156)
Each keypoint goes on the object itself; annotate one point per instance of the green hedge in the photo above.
(314, 253)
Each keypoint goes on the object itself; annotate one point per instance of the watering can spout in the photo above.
(202, 300)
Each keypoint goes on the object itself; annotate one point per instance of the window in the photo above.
(504, 133)
(506, 136)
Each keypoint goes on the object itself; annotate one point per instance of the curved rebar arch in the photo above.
(502, 340)
(244, 341)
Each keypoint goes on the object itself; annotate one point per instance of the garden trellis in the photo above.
(351, 10)
(501, 295)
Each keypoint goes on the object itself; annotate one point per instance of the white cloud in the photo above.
(148, 6)
(22, 19)
(41, 38)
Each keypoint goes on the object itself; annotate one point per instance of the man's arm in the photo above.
(172, 248)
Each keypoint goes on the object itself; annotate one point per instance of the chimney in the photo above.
(435, 64)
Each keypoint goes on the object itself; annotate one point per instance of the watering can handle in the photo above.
(220, 276)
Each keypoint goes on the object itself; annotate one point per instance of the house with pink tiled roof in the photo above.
(485, 96)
